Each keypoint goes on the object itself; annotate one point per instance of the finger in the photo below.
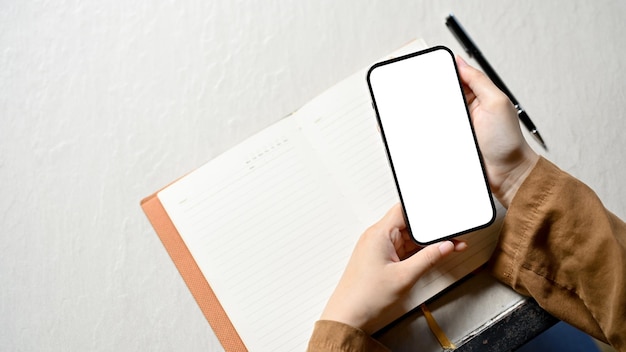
(408, 247)
(394, 218)
(422, 261)
(469, 94)
(459, 246)
(478, 82)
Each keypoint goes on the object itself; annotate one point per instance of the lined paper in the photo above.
(272, 222)
(268, 233)
(347, 140)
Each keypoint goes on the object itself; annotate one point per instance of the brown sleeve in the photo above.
(334, 336)
(562, 247)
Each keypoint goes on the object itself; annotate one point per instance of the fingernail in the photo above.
(460, 247)
(446, 247)
(460, 61)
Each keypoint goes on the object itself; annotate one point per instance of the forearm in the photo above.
(562, 247)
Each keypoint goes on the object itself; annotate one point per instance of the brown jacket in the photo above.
(559, 245)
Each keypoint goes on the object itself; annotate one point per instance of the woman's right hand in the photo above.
(508, 157)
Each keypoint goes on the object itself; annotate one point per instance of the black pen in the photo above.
(472, 51)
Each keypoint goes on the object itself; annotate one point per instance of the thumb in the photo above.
(477, 81)
(422, 261)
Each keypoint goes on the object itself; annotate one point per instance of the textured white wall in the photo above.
(104, 102)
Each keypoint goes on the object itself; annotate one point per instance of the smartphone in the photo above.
(431, 145)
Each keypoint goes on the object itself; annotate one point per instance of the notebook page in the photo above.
(268, 233)
(341, 126)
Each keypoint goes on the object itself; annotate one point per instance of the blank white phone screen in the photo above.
(430, 145)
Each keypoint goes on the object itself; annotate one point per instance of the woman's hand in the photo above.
(383, 268)
(508, 158)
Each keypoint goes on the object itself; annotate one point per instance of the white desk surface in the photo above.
(102, 103)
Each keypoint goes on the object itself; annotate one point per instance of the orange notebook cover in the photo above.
(189, 270)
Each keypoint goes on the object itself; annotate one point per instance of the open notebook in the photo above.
(261, 234)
